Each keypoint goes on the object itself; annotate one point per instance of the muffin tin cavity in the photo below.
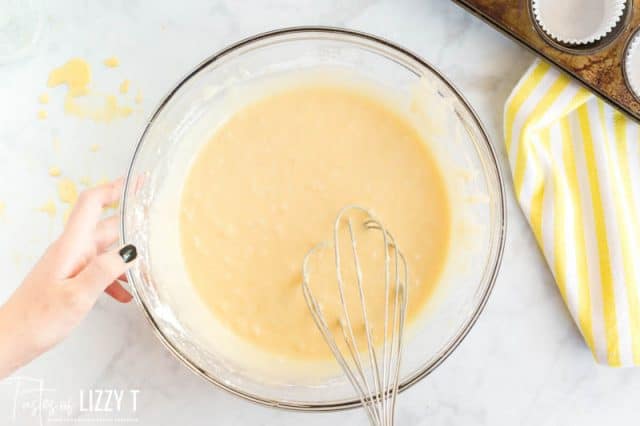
(632, 64)
(595, 41)
(580, 26)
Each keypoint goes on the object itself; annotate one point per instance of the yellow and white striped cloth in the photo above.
(575, 162)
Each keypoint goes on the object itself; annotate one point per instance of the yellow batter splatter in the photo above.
(76, 74)
(67, 191)
(113, 110)
(55, 171)
(49, 208)
(112, 62)
(95, 147)
(43, 99)
(42, 114)
(124, 87)
(109, 111)
(138, 98)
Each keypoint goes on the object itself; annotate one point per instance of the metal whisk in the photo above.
(373, 371)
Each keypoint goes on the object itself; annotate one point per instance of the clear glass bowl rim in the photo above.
(501, 228)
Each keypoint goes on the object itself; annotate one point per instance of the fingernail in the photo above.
(128, 253)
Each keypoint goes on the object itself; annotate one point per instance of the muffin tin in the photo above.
(603, 62)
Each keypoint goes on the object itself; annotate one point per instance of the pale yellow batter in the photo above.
(267, 187)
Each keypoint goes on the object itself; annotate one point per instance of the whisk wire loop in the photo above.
(374, 372)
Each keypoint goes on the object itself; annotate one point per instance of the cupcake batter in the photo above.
(267, 187)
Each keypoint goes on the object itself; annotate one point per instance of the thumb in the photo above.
(105, 269)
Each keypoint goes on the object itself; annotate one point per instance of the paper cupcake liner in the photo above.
(632, 64)
(578, 22)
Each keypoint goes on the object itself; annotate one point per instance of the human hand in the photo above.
(65, 283)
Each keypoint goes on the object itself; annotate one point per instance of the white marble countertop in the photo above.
(524, 361)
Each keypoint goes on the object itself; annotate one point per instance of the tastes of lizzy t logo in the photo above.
(26, 401)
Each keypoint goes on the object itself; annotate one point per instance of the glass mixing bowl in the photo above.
(455, 136)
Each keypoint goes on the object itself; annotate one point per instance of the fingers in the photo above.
(139, 182)
(106, 233)
(103, 270)
(118, 292)
(88, 210)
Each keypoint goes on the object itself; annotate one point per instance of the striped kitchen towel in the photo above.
(575, 162)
